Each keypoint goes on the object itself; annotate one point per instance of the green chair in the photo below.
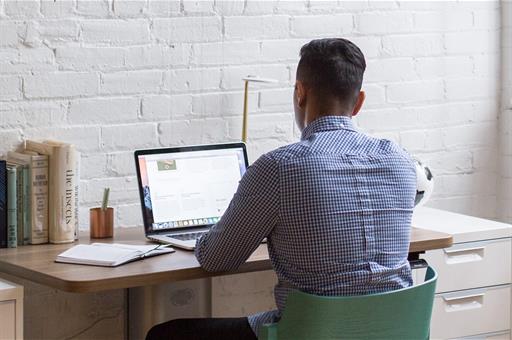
(399, 314)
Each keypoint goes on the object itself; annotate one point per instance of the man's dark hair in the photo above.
(333, 68)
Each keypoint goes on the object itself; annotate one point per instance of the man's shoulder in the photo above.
(286, 152)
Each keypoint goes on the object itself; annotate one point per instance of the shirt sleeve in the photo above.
(249, 218)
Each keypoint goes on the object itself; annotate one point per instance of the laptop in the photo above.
(185, 190)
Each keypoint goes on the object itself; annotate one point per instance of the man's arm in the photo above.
(250, 217)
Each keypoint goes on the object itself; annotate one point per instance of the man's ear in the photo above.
(301, 94)
(359, 103)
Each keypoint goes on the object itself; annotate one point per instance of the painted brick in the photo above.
(164, 8)
(434, 21)
(412, 45)
(471, 42)
(94, 9)
(222, 104)
(487, 19)
(253, 7)
(86, 139)
(387, 120)
(390, 70)
(129, 216)
(104, 110)
(11, 140)
(93, 166)
(90, 58)
(279, 51)
(196, 131)
(8, 34)
(187, 29)
(58, 30)
(192, 80)
(128, 137)
(436, 67)
(129, 9)
(370, 46)
(291, 6)
(65, 84)
(10, 88)
(375, 95)
(120, 164)
(58, 9)
(229, 7)
(471, 88)
(131, 82)
(117, 32)
(32, 114)
(256, 27)
(166, 107)
(198, 6)
(226, 53)
(324, 6)
(480, 135)
(122, 189)
(383, 22)
(22, 8)
(157, 56)
(280, 99)
(422, 140)
(415, 91)
(487, 65)
(331, 24)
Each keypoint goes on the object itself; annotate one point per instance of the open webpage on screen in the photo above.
(190, 188)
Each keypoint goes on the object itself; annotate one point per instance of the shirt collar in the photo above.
(327, 123)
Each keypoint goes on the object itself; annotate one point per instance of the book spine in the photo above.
(27, 206)
(12, 217)
(19, 204)
(3, 204)
(77, 194)
(39, 191)
(62, 194)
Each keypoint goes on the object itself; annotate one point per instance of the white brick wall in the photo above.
(115, 75)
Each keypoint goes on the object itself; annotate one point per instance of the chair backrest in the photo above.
(399, 314)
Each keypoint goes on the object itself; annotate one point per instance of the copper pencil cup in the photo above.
(102, 222)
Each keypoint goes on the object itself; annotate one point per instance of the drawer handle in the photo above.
(464, 302)
(473, 254)
(463, 297)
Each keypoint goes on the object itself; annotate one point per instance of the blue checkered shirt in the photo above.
(336, 210)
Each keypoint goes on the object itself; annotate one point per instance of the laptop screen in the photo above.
(188, 188)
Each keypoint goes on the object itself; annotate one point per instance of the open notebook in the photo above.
(110, 254)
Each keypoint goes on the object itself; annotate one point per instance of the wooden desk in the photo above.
(36, 263)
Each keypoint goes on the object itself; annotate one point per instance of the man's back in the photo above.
(346, 203)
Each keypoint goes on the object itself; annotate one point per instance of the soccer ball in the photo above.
(424, 183)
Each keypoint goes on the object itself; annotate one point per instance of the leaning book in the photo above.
(35, 226)
(62, 186)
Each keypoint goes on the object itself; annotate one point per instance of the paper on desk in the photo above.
(110, 254)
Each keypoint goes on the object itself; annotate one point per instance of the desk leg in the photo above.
(150, 305)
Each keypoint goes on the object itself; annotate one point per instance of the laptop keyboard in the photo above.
(187, 236)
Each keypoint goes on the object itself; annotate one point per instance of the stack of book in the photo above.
(39, 194)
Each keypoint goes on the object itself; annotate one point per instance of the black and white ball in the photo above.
(424, 183)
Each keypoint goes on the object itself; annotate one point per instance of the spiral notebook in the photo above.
(110, 254)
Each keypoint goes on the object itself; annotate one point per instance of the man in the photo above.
(335, 207)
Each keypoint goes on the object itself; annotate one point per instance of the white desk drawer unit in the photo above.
(473, 292)
(11, 311)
